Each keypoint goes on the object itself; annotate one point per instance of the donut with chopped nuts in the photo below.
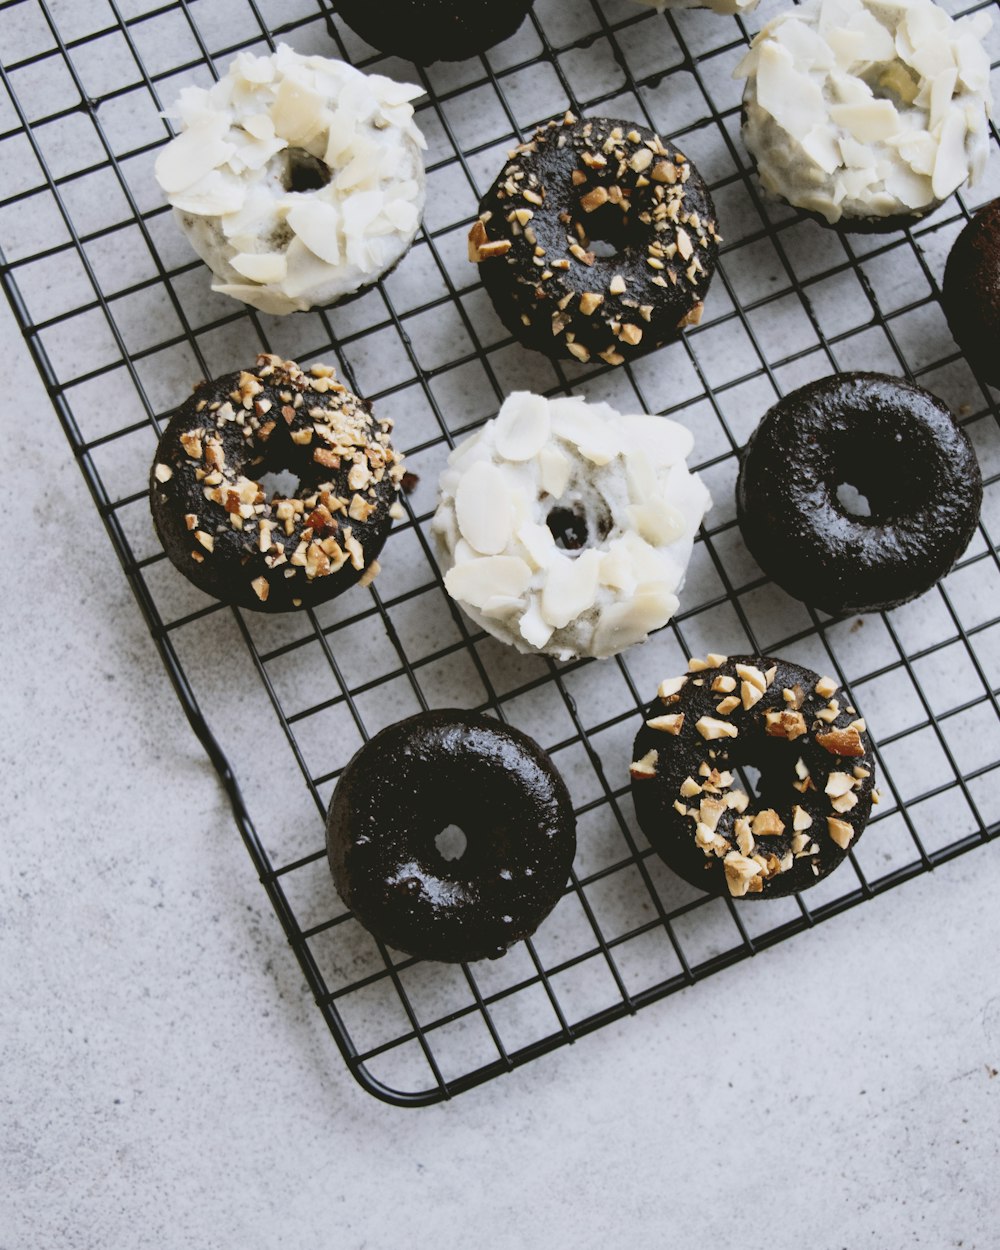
(896, 444)
(597, 241)
(816, 776)
(214, 517)
(867, 115)
(425, 31)
(422, 776)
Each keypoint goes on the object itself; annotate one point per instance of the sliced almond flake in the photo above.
(522, 426)
(482, 508)
(533, 629)
(260, 266)
(657, 521)
(476, 581)
(193, 154)
(538, 543)
(570, 587)
(622, 624)
(317, 224)
(587, 427)
(554, 471)
(663, 441)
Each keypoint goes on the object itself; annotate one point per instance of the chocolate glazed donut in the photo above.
(598, 239)
(425, 31)
(816, 776)
(410, 783)
(901, 448)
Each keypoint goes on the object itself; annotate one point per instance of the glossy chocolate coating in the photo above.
(895, 443)
(970, 293)
(547, 307)
(672, 833)
(425, 31)
(412, 781)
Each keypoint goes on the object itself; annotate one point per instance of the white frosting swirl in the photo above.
(623, 477)
(230, 174)
(867, 108)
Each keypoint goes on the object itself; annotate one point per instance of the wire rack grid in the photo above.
(120, 322)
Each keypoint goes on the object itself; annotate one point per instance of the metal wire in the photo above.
(626, 934)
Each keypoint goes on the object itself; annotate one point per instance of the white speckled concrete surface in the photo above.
(167, 1082)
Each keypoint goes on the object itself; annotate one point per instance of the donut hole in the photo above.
(451, 843)
(893, 81)
(573, 530)
(279, 483)
(853, 501)
(608, 231)
(304, 172)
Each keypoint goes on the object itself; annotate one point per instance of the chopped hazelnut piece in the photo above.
(738, 800)
(844, 802)
(724, 684)
(370, 573)
(767, 824)
(790, 725)
(644, 768)
(845, 742)
(750, 695)
(800, 819)
(711, 729)
(163, 473)
(261, 588)
(670, 686)
(838, 783)
(206, 540)
(826, 687)
(744, 836)
(672, 723)
(589, 301)
(727, 705)
(689, 788)
(631, 334)
(740, 872)
(840, 831)
(752, 675)
(594, 199)
(617, 285)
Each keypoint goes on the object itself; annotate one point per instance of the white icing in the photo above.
(225, 173)
(867, 108)
(627, 477)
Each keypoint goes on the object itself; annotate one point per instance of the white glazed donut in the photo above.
(297, 179)
(616, 492)
(728, 7)
(867, 109)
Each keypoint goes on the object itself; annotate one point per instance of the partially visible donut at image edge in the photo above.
(425, 31)
(597, 241)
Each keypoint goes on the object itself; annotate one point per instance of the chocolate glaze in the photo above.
(546, 313)
(672, 834)
(289, 404)
(425, 31)
(413, 780)
(901, 448)
(970, 293)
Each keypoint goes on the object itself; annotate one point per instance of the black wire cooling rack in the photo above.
(120, 323)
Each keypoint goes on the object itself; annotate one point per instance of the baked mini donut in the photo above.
(425, 31)
(970, 293)
(406, 787)
(865, 113)
(813, 755)
(566, 528)
(214, 517)
(597, 241)
(298, 180)
(898, 446)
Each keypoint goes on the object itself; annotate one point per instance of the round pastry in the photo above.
(866, 113)
(298, 180)
(894, 443)
(813, 756)
(597, 240)
(405, 788)
(970, 293)
(425, 31)
(566, 528)
(211, 509)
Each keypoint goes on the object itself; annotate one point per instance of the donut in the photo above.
(970, 293)
(811, 750)
(566, 528)
(211, 509)
(298, 180)
(898, 446)
(865, 113)
(408, 785)
(425, 31)
(597, 241)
